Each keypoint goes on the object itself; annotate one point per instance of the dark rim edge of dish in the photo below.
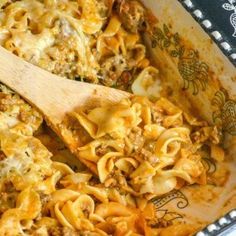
(220, 226)
(210, 29)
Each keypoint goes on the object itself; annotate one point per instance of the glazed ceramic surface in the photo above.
(197, 74)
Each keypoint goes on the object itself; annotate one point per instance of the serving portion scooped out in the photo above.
(146, 149)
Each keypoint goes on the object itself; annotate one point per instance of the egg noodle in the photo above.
(135, 150)
(83, 40)
(144, 148)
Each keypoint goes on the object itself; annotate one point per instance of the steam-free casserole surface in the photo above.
(149, 155)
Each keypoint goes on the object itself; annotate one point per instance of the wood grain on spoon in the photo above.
(52, 95)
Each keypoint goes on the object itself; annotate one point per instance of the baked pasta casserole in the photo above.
(138, 149)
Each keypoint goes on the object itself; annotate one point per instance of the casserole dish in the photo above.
(153, 168)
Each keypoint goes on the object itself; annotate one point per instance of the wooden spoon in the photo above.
(52, 95)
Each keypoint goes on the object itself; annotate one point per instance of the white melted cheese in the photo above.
(36, 44)
(18, 164)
